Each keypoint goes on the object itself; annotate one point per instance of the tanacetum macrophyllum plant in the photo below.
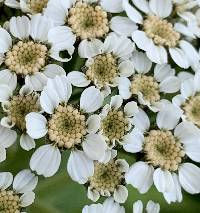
(99, 106)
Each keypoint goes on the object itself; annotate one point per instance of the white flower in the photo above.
(77, 15)
(157, 36)
(116, 121)
(150, 208)
(28, 6)
(105, 62)
(21, 195)
(15, 108)
(109, 205)
(188, 102)
(108, 179)
(148, 88)
(66, 127)
(28, 53)
(165, 150)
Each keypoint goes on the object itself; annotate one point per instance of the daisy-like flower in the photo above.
(105, 64)
(109, 205)
(15, 107)
(146, 87)
(156, 34)
(165, 149)
(116, 121)
(88, 19)
(189, 100)
(150, 208)
(66, 127)
(107, 179)
(28, 6)
(15, 199)
(28, 53)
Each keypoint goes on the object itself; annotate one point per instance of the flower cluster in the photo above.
(96, 78)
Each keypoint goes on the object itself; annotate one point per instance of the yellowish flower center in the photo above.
(106, 177)
(88, 21)
(161, 31)
(37, 6)
(19, 106)
(114, 125)
(163, 150)
(103, 70)
(67, 126)
(9, 202)
(192, 109)
(147, 85)
(26, 58)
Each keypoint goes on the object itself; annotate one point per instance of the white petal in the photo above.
(46, 160)
(25, 181)
(179, 57)
(5, 40)
(113, 6)
(175, 194)
(6, 179)
(168, 117)
(52, 70)
(161, 8)
(93, 194)
(120, 194)
(61, 87)
(141, 40)
(142, 5)
(141, 63)
(26, 142)
(91, 99)
(192, 149)
(131, 109)
(132, 13)
(161, 72)
(138, 207)
(133, 141)
(2, 153)
(141, 120)
(157, 54)
(93, 208)
(94, 146)
(80, 167)
(27, 199)
(170, 85)
(36, 125)
(8, 137)
(178, 100)
(8, 78)
(20, 27)
(62, 39)
(25, 90)
(188, 88)
(126, 68)
(124, 87)
(78, 79)
(185, 131)
(109, 205)
(122, 25)
(37, 81)
(5, 93)
(7, 122)
(189, 51)
(163, 180)
(140, 176)
(89, 49)
(189, 176)
(93, 123)
(116, 102)
(40, 26)
(152, 207)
